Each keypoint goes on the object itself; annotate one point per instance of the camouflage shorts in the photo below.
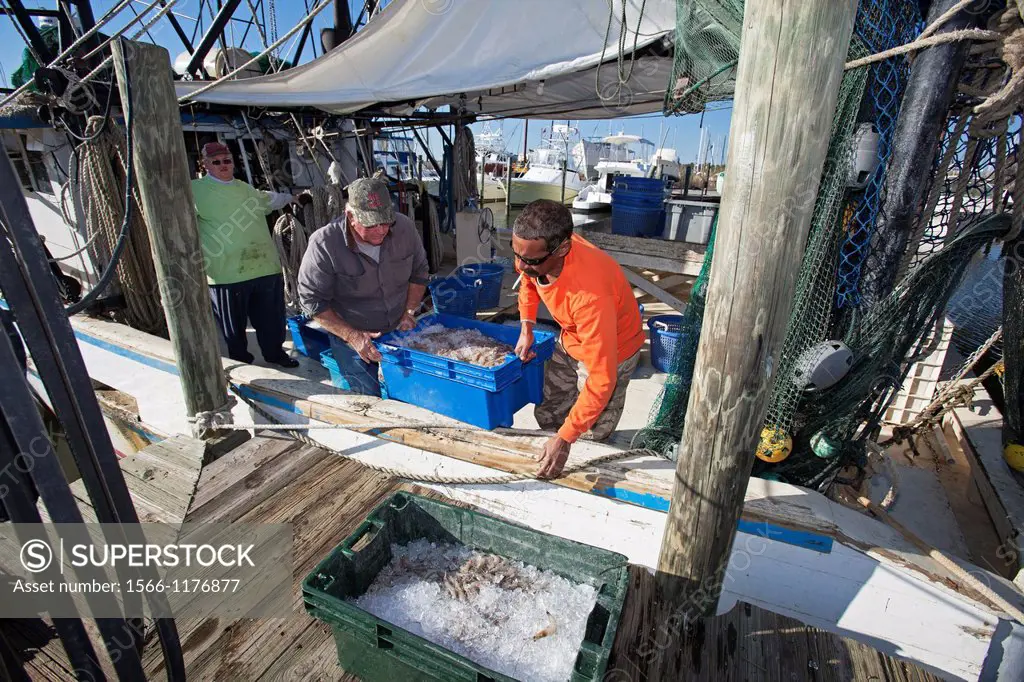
(564, 377)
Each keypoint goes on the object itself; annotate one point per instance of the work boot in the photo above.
(283, 360)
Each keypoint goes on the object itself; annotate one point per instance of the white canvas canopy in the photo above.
(516, 58)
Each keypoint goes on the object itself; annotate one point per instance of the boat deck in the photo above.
(272, 478)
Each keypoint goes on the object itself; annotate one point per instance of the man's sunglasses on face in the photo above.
(222, 162)
(537, 261)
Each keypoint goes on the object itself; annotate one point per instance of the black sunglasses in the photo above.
(223, 162)
(538, 261)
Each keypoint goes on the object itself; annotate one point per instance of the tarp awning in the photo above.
(488, 56)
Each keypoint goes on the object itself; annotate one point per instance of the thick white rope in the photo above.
(277, 43)
(947, 563)
(921, 43)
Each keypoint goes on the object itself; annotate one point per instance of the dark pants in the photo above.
(259, 300)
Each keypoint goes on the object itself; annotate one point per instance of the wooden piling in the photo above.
(787, 85)
(164, 184)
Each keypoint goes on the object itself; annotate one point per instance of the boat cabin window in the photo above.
(28, 164)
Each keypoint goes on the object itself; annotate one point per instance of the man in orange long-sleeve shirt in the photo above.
(588, 295)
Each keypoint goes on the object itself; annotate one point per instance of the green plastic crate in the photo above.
(374, 649)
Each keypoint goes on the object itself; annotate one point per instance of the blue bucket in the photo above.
(454, 296)
(489, 275)
(666, 330)
(637, 222)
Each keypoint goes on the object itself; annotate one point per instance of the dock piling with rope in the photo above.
(161, 167)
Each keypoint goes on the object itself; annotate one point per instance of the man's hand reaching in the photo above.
(524, 347)
(553, 457)
(362, 343)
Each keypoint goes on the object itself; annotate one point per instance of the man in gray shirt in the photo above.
(362, 276)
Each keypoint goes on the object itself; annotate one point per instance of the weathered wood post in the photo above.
(161, 169)
(787, 85)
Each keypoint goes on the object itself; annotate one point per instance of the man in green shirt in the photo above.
(242, 267)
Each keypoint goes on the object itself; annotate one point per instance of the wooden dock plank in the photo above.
(747, 643)
(273, 479)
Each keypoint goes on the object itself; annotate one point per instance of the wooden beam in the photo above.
(681, 258)
(654, 290)
(161, 169)
(787, 85)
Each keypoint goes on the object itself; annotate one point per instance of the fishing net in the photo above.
(707, 48)
(885, 342)
(665, 427)
(886, 339)
(880, 25)
(812, 304)
(814, 293)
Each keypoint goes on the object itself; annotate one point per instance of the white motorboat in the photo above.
(549, 171)
(625, 156)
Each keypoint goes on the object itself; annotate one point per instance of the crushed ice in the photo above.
(508, 616)
(465, 345)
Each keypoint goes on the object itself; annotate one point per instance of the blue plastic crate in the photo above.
(482, 396)
(666, 330)
(455, 296)
(307, 340)
(338, 379)
(489, 275)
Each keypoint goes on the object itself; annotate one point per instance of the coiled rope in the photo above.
(326, 203)
(103, 168)
(464, 161)
(290, 239)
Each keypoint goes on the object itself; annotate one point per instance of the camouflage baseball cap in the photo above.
(370, 202)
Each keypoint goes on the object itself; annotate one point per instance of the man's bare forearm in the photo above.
(414, 296)
(332, 322)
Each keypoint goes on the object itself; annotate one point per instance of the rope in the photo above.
(921, 43)
(416, 477)
(944, 561)
(259, 154)
(433, 224)
(105, 176)
(277, 43)
(290, 239)
(1005, 100)
(71, 255)
(208, 420)
(464, 161)
(326, 203)
(623, 75)
(256, 22)
(952, 395)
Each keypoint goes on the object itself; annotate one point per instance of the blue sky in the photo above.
(681, 132)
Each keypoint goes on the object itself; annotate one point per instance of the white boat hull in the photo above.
(523, 192)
